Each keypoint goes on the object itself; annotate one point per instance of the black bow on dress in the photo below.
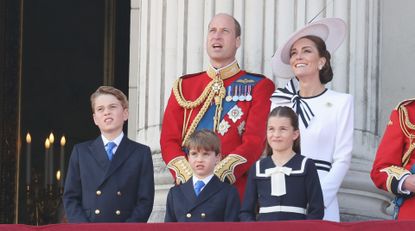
(290, 94)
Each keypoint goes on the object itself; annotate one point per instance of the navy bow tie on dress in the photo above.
(198, 187)
(109, 147)
(300, 106)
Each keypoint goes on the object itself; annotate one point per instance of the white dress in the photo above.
(328, 138)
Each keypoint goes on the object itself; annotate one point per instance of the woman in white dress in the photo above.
(326, 116)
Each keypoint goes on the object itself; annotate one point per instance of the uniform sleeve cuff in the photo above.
(395, 175)
(400, 190)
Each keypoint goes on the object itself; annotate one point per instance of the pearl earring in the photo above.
(320, 67)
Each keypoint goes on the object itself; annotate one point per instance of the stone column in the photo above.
(358, 195)
(167, 41)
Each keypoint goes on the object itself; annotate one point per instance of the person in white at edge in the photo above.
(326, 117)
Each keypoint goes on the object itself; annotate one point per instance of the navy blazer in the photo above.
(218, 201)
(99, 190)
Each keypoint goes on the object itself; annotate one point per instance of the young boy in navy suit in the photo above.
(110, 179)
(204, 197)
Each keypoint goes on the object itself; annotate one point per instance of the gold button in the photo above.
(188, 215)
(119, 193)
(118, 212)
(97, 211)
(99, 192)
(203, 215)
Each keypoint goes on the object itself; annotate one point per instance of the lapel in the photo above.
(98, 152)
(189, 192)
(119, 158)
(210, 190)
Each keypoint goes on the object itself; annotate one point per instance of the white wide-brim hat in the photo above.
(331, 30)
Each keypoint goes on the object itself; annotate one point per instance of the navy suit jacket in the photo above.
(99, 190)
(218, 201)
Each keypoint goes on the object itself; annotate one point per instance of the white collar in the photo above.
(205, 180)
(117, 140)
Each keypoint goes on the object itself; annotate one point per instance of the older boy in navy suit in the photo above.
(110, 179)
(204, 197)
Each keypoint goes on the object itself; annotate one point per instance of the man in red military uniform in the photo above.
(232, 102)
(393, 169)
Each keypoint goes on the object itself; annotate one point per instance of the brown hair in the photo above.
(326, 72)
(237, 28)
(108, 90)
(286, 112)
(204, 139)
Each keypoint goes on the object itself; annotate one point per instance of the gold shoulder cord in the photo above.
(177, 90)
(405, 125)
(214, 90)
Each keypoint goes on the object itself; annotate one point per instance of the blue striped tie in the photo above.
(198, 187)
(109, 147)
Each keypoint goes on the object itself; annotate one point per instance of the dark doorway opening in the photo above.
(64, 60)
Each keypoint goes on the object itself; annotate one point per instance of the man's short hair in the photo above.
(237, 27)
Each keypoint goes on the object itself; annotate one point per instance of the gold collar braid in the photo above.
(224, 72)
(214, 90)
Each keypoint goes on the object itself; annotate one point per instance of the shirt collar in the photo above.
(205, 180)
(117, 140)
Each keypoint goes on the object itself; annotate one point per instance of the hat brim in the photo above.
(331, 30)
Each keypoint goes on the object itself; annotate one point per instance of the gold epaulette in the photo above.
(225, 168)
(182, 169)
(394, 172)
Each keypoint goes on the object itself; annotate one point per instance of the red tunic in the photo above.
(250, 144)
(390, 165)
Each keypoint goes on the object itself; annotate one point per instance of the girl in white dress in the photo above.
(326, 116)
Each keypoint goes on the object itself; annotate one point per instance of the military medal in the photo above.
(223, 127)
(241, 95)
(235, 96)
(235, 113)
(249, 96)
(229, 96)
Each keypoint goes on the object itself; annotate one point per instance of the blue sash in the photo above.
(207, 120)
